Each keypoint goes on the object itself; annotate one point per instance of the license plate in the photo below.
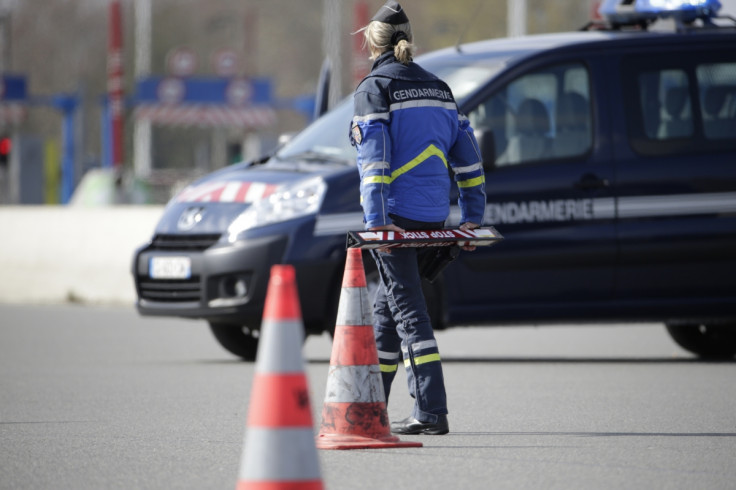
(170, 268)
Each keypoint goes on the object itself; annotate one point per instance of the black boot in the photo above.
(410, 425)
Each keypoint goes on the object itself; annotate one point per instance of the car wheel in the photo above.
(237, 339)
(707, 341)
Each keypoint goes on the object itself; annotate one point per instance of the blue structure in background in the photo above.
(218, 92)
(236, 93)
(203, 90)
(13, 88)
(67, 104)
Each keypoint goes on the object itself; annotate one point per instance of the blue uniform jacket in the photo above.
(408, 134)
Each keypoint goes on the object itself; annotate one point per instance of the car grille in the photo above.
(176, 290)
(170, 291)
(183, 242)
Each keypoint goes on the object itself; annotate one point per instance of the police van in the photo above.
(610, 169)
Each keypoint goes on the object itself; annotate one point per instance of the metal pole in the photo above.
(5, 38)
(142, 127)
(331, 44)
(361, 63)
(67, 104)
(10, 181)
(516, 18)
(115, 82)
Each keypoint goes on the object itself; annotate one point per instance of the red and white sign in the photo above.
(171, 91)
(226, 62)
(12, 113)
(238, 92)
(204, 115)
(181, 62)
(423, 238)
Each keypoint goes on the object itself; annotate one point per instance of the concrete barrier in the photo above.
(52, 254)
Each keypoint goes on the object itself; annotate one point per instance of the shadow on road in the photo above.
(599, 434)
(566, 360)
(583, 360)
(506, 360)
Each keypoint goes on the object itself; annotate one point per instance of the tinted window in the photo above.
(717, 82)
(664, 96)
(683, 103)
(542, 115)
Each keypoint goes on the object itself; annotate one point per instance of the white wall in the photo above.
(57, 254)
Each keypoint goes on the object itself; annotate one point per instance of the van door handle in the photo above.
(591, 182)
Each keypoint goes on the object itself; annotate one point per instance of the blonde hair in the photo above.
(377, 37)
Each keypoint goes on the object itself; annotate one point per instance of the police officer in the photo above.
(408, 133)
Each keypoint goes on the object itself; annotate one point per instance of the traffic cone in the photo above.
(279, 450)
(354, 414)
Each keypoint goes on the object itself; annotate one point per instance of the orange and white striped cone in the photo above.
(279, 450)
(354, 414)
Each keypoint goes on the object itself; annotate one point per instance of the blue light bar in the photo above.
(637, 11)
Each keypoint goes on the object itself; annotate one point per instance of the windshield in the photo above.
(327, 136)
(464, 79)
(327, 139)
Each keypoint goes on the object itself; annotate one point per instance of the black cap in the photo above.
(391, 13)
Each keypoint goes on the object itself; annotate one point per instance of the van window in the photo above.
(664, 96)
(683, 103)
(543, 115)
(717, 82)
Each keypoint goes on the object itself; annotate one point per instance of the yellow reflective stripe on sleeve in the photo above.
(388, 368)
(472, 182)
(377, 179)
(422, 359)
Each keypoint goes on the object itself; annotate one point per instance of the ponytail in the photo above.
(403, 52)
(381, 37)
(402, 47)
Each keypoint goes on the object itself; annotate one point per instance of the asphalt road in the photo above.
(98, 398)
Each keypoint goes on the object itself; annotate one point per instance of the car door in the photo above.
(548, 170)
(676, 178)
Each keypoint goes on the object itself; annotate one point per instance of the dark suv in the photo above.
(610, 158)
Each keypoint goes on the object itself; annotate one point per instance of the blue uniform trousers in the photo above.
(403, 330)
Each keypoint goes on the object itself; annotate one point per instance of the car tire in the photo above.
(707, 341)
(236, 339)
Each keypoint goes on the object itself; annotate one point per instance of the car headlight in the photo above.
(288, 202)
